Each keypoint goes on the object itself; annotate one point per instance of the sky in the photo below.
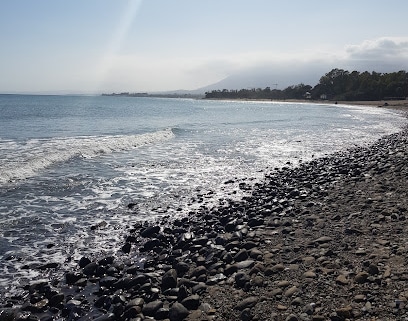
(93, 46)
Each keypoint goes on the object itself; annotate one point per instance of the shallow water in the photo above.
(70, 163)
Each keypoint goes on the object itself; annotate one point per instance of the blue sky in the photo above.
(84, 46)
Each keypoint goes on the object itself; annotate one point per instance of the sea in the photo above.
(77, 171)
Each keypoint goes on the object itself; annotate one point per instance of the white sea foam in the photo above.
(61, 204)
(26, 159)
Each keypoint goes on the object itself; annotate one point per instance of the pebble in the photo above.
(313, 242)
(178, 312)
(247, 303)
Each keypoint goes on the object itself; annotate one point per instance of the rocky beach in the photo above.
(322, 240)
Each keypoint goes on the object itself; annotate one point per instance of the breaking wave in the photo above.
(23, 160)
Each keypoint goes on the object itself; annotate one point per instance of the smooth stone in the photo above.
(191, 302)
(182, 268)
(178, 312)
(274, 269)
(255, 254)
(84, 261)
(246, 315)
(283, 284)
(373, 269)
(169, 279)
(292, 317)
(344, 312)
(162, 314)
(242, 255)
(90, 268)
(56, 299)
(257, 281)
(135, 302)
(199, 270)
(323, 239)
(244, 264)
(247, 303)
(291, 291)
(126, 247)
(151, 308)
(310, 274)
(150, 231)
(361, 277)
(360, 298)
(241, 279)
(341, 279)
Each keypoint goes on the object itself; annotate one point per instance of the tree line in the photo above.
(338, 84)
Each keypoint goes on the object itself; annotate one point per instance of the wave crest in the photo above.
(24, 160)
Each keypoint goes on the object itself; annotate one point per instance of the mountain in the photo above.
(267, 77)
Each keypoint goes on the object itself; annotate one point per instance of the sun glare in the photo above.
(117, 40)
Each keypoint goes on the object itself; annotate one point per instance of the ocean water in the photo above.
(69, 164)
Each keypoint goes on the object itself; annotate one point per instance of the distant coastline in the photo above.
(156, 95)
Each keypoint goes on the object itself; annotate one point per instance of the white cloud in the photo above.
(138, 72)
(263, 69)
(382, 48)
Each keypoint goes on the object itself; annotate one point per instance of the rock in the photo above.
(241, 279)
(255, 254)
(90, 268)
(126, 248)
(297, 301)
(292, 317)
(107, 281)
(246, 315)
(361, 277)
(150, 245)
(291, 291)
(162, 313)
(342, 280)
(72, 277)
(182, 268)
(150, 231)
(191, 302)
(242, 255)
(275, 292)
(244, 264)
(198, 271)
(178, 312)
(310, 274)
(199, 288)
(274, 269)
(247, 303)
(151, 308)
(56, 299)
(84, 261)
(360, 298)
(106, 261)
(169, 280)
(182, 293)
(345, 312)
(323, 239)
(132, 312)
(8, 314)
(257, 281)
(373, 269)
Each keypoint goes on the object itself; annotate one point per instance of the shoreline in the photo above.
(321, 241)
(391, 104)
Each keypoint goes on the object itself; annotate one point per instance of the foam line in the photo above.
(25, 160)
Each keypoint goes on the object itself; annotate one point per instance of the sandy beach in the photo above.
(325, 240)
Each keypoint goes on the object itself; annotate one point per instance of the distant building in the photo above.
(308, 95)
(323, 96)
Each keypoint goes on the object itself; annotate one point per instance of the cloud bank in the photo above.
(381, 55)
